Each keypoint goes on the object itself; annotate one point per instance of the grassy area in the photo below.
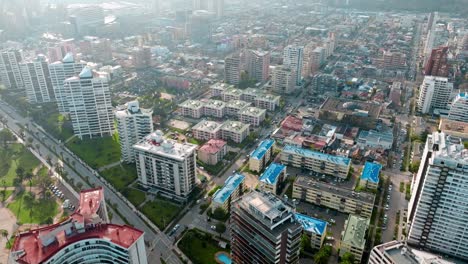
(402, 187)
(58, 126)
(97, 152)
(408, 191)
(160, 212)
(212, 191)
(4, 194)
(16, 155)
(212, 169)
(43, 213)
(120, 176)
(135, 196)
(199, 247)
(10, 242)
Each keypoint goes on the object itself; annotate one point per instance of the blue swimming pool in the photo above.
(224, 258)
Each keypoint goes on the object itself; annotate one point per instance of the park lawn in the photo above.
(58, 124)
(121, 176)
(16, 155)
(96, 152)
(41, 173)
(199, 247)
(160, 212)
(43, 210)
(135, 196)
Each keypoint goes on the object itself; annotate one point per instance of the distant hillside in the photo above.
(451, 6)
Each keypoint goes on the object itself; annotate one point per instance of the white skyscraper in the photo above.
(133, 124)
(89, 102)
(36, 79)
(459, 108)
(59, 72)
(293, 57)
(232, 69)
(434, 93)
(283, 80)
(438, 209)
(10, 74)
(166, 166)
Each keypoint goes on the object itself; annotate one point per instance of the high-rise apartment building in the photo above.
(133, 124)
(200, 25)
(89, 102)
(283, 80)
(258, 65)
(293, 57)
(85, 18)
(264, 230)
(459, 108)
(36, 80)
(56, 51)
(10, 74)
(86, 236)
(434, 93)
(59, 72)
(232, 69)
(166, 166)
(437, 212)
(436, 64)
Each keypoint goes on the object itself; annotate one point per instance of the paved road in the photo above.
(160, 244)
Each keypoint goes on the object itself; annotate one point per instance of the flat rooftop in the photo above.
(233, 91)
(337, 188)
(272, 172)
(207, 126)
(230, 185)
(220, 85)
(194, 104)
(217, 104)
(262, 148)
(290, 149)
(238, 104)
(455, 128)
(213, 146)
(355, 231)
(371, 172)
(156, 143)
(311, 224)
(266, 207)
(351, 106)
(90, 201)
(234, 126)
(252, 111)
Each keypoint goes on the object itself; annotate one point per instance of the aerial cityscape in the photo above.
(233, 131)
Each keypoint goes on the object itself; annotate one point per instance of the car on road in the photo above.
(213, 227)
(330, 238)
(332, 221)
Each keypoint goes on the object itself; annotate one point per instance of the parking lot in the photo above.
(67, 195)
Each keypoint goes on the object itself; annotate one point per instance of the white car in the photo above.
(213, 227)
(332, 221)
(330, 238)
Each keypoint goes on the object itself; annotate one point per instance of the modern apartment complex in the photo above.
(89, 104)
(434, 93)
(437, 210)
(273, 176)
(370, 175)
(258, 65)
(459, 108)
(293, 57)
(214, 108)
(316, 161)
(315, 228)
(59, 72)
(250, 95)
(234, 107)
(231, 190)
(232, 69)
(206, 130)
(212, 151)
(353, 237)
(10, 74)
(283, 80)
(340, 198)
(133, 124)
(252, 115)
(84, 237)
(264, 230)
(235, 131)
(166, 166)
(260, 157)
(36, 81)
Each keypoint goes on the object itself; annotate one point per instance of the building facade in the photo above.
(315, 161)
(206, 130)
(293, 57)
(166, 166)
(260, 157)
(252, 115)
(235, 131)
(231, 190)
(315, 228)
(353, 237)
(133, 124)
(283, 80)
(459, 108)
(437, 209)
(232, 69)
(258, 65)
(36, 81)
(264, 230)
(272, 178)
(10, 73)
(192, 108)
(89, 104)
(212, 151)
(434, 93)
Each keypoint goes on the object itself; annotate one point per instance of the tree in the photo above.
(321, 257)
(28, 200)
(29, 177)
(347, 258)
(305, 243)
(219, 213)
(20, 173)
(220, 228)
(6, 136)
(414, 166)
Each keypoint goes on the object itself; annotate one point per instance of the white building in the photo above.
(232, 69)
(133, 124)
(89, 102)
(293, 57)
(258, 65)
(59, 72)
(437, 213)
(267, 101)
(206, 130)
(252, 115)
(235, 131)
(36, 80)
(214, 108)
(233, 107)
(166, 166)
(434, 93)
(283, 80)
(10, 74)
(459, 108)
(192, 108)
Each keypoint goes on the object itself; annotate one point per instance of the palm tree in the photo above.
(29, 177)
(20, 174)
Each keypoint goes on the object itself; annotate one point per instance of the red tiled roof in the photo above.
(213, 146)
(90, 201)
(292, 123)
